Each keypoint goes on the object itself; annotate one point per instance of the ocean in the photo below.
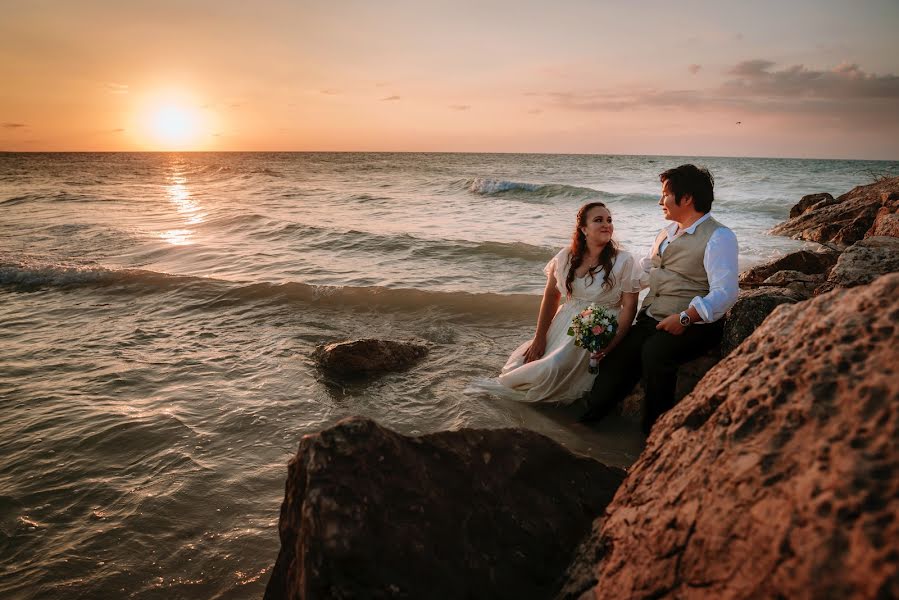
(158, 313)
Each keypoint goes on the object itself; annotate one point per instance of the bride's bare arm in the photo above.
(548, 307)
(625, 319)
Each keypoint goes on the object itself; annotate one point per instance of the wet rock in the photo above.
(364, 357)
(811, 202)
(369, 513)
(778, 477)
(803, 261)
(866, 260)
(750, 310)
(843, 222)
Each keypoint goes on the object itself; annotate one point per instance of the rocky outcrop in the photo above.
(777, 477)
(361, 358)
(369, 513)
(811, 202)
(802, 261)
(842, 222)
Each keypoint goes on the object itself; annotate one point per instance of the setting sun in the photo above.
(174, 124)
(171, 120)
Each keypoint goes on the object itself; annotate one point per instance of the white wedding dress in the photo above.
(561, 375)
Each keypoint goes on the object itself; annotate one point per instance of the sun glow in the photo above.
(174, 122)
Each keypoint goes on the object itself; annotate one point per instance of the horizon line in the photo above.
(436, 152)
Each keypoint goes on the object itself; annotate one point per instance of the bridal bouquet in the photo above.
(593, 329)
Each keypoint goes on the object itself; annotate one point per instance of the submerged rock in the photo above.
(360, 358)
(369, 513)
(844, 221)
(777, 477)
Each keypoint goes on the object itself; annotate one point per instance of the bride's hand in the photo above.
(535, 350)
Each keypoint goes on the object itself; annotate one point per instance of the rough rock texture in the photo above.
(887, 220)
(844, 222)
(811, 202)
(369, 513)
(866, 260)
(804, 261)
(359, 358)
(751, 309)
(778, 477)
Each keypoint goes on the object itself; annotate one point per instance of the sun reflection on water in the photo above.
(193, 214)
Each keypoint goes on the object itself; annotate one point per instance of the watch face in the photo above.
(684, 320)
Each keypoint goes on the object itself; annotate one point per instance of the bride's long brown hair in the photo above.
(579, 247)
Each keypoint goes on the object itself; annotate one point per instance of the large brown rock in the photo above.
(803, 261)
(844, 222)
(360, 358)
(866, 260)
(778, 477)
(369, 513)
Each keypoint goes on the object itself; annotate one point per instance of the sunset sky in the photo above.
(804, 78)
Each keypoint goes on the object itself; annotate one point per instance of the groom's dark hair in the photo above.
(692, 180)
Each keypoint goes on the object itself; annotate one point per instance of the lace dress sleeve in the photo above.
(558, 265)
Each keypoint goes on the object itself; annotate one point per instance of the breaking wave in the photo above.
(217, 292)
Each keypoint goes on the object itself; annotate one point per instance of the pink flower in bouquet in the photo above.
(597, 330)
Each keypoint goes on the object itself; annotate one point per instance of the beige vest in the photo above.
(678, 274)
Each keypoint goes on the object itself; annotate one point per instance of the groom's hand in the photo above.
(671, 324)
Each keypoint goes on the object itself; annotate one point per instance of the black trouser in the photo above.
(655, 355)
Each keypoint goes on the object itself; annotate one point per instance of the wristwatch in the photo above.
(685, 319)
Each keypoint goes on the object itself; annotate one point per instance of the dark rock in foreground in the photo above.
(369, 513)
(844, 221)
(360, 358)
(777, 477)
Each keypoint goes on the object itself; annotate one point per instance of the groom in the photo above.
(692, 268)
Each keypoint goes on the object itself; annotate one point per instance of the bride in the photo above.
(550, 368)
